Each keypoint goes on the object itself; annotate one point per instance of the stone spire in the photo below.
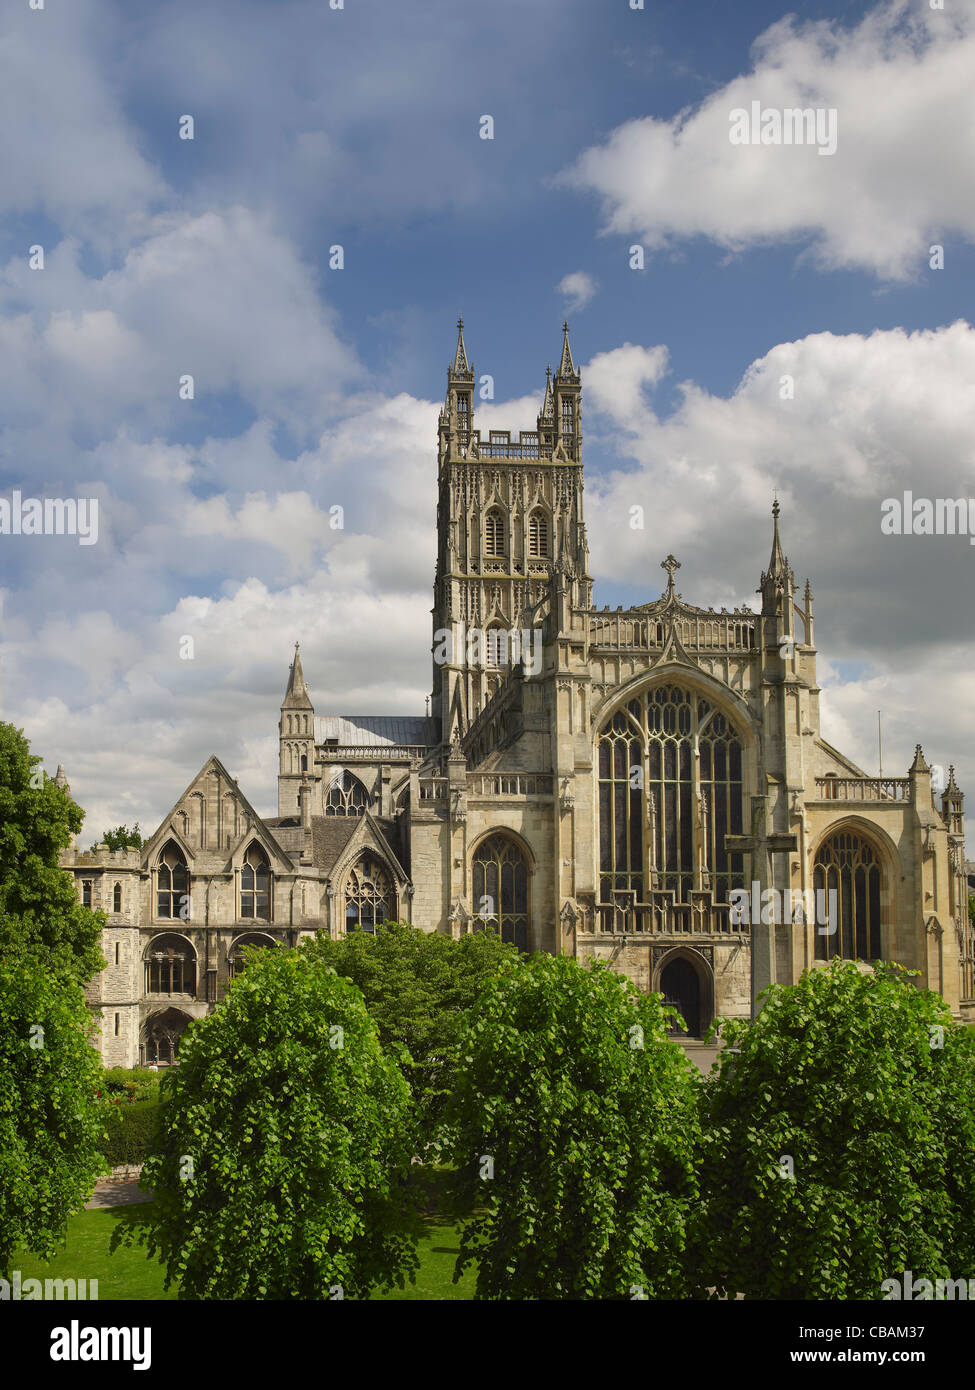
(61, 780)
(548, 405)
(296, 696)
(461, 365)
(567, 369)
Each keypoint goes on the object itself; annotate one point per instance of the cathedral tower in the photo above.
(510, 535)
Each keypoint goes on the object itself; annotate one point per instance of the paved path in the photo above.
(701, 1054)
(117, 1192)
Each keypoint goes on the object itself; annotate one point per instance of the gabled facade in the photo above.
(647, 787)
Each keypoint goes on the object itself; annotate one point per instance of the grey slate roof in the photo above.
(376, 730)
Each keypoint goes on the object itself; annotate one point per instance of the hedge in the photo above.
(130, 1131)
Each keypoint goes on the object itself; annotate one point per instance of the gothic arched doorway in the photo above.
(680, 985)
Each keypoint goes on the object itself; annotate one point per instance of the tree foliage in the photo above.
(576, 1125)
(38, 902)
(123, 838)
(279, 1164)
(417, 986)
(51, 1123)
(839, 1141)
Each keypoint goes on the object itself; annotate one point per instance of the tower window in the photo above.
(86, 891)
(116, 953)
(116, 1025)
(537, 535)
(494, 533)
(117, 898)
(567, 419)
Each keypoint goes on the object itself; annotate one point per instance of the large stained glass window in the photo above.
(664, 812)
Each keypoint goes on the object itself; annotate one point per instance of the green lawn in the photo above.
(129, 1274)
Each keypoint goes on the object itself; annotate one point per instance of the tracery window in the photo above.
(163, 1035)
(170, 965)
(369, 895)
(847, 866)
(500, 889)
(664, 814)
(255, 884)
(172, 884)
(494, 533)
(346, 796)
(566, 419)
(537, 535)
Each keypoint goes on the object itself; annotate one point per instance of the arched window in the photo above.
(255, 884)
(847, 874)
(304, 762)
(117, 898)
(537, 535)
(369, 896)
(500, 888)
(664, 814)
(172, 884)
(163, 1035)
(236, 957)
(494, 533)
(567, 426)
(170, 966)
(346, 796)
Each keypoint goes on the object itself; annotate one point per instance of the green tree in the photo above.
(576, 1126)
(38, 902)
(51, 1124)
(123, 838)
(279, 1167)
(839, 1141)
(417, 986)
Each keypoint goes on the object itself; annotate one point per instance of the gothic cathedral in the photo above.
(645, 787)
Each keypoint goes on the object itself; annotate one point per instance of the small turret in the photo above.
(296, 737)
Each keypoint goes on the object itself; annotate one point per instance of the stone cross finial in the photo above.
(670, 565)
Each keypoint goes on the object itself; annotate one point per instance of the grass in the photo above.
(129, 1274)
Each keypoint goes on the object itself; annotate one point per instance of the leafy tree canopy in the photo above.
(839, 1141)
(123, 838)
(279, 1169)
(51, 1124)
(417, 986)
(38, 902)
(576, 1126)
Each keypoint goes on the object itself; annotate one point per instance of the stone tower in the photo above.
(510, 532)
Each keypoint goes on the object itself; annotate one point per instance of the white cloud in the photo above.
(871, 416)
(577, 289)
(899, 181)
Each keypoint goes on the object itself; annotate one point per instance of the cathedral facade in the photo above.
(646, 787)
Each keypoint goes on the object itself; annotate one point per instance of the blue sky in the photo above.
(314, 386)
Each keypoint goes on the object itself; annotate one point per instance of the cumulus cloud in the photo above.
(577, 289)
(835, 424)
(899, 180)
